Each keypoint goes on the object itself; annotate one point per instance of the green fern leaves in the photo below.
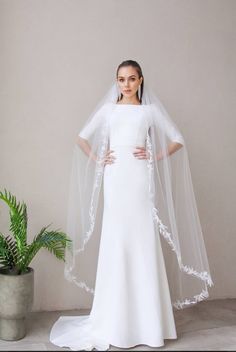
(15, 254)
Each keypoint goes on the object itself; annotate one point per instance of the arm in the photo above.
(172, 132)
(143, 154)
(84, 145)
(88, 131)
(172, 148)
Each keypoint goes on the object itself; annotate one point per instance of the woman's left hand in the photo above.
(141, 153)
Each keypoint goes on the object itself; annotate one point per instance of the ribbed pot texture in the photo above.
(16, 300)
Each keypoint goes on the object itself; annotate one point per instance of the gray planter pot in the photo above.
(16, 299)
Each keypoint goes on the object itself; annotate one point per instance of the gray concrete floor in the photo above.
(209, 325)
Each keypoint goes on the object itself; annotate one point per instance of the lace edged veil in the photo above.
(174, 209)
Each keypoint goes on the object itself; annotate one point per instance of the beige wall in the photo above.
(57, 60)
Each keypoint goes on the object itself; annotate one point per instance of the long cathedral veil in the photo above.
(173, 203)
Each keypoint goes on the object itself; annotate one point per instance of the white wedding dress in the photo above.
(132, 303)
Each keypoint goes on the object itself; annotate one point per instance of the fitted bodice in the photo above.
(128, 125)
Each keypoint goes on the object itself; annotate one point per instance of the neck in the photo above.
(132, 100)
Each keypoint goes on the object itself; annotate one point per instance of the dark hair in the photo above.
(135, 65)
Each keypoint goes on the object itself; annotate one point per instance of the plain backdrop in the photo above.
(58, 58)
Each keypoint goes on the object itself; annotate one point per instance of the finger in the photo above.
(109, 159)
(110, 156)
(143, 148)
(140, 154)
(138, 151)
(143, 156)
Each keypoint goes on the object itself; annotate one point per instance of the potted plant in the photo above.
(16, 275)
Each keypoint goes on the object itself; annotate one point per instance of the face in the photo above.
(128, 81)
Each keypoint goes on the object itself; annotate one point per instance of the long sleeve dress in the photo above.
(132, 303)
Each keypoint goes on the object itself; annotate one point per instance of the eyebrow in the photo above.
(128, 77)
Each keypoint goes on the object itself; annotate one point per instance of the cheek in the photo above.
(134, 85)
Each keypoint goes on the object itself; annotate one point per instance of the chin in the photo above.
(128, 94)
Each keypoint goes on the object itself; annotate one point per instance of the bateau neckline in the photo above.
(129, 104)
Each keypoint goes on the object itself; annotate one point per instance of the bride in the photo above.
(151, 258)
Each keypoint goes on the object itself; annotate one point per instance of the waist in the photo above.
(115, 146)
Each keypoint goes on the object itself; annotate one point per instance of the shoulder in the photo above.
(101, 110)
(150, 112)
(148, 108)
(106, 107)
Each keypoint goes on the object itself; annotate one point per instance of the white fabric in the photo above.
(131, 258)
(174, 208)
(132, 303)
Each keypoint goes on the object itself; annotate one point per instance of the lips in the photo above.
(127, 91)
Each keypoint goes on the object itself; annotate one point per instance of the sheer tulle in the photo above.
(163, 182)
(170, 190)
(132, 303)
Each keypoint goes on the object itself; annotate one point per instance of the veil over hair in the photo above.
(173, 204)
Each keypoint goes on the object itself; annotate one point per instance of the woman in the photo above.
(132, 148)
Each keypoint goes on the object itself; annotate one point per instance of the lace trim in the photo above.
(204, 276)
(162, 228)
(187, 302)
(97, 183)
(98, 176)
(82, 284)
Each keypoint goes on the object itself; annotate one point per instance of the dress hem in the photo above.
(89, 348)
(143, 343)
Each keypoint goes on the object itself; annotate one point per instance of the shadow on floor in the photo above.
(209, 325)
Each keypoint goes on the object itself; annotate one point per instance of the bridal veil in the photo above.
(173, 204)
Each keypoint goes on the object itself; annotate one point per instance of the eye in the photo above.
(133, 79)
(121, 79)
